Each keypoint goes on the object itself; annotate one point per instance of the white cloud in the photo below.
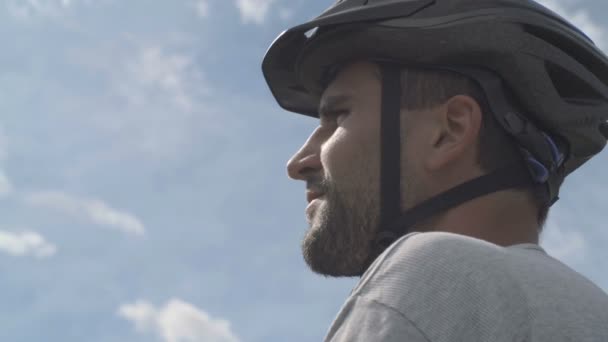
(94, 210)
(24, 9)
(286, 13)
(6, 187)
(177, 321)
(565, 245)
(254, 11)
(202, 8)
(156, 70)
(146, 72)
(581, 18)
(31, 9)
(154, 99)
(26, 244)
(3, 144)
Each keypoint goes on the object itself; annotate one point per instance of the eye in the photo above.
(335, 115)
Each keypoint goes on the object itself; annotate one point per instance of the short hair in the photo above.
(426, 88)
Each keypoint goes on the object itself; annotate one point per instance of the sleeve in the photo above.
(364, 319)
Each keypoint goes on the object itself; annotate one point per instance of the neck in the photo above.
(504, 218)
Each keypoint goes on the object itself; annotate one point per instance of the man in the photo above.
(446, 129)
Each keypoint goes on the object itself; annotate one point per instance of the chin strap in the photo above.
(546, 174)
(509, 177)
(390, 149)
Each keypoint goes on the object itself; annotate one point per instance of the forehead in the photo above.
(353, 78)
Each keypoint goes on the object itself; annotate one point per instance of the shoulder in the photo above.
(433, 243)
(418, 255)
(452, 278)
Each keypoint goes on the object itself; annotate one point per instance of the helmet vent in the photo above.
(571, 87)
(592, 62)
(311, 32)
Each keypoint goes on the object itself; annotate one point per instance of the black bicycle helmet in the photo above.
(556, 74)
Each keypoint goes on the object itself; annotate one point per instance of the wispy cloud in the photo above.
(3, 144)
(6, 187)
(565, 245)
(202, 8)
(24, 9)
(93, 210)
(155, 71)
(581, 18)
(254, 11)
(177, 321)
(286, 13)
(26, 244)
(153, 98)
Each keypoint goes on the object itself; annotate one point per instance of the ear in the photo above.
(455, 136)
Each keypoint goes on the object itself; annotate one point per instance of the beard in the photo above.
(343, 227)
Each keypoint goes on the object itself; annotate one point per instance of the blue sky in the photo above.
(142, 176)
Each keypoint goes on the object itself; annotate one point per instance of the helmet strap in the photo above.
(511, 176)
(393, 223)
(390, 148)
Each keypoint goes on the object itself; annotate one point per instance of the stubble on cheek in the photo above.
(344, 222)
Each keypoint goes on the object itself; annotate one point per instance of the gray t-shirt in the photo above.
(440, 287)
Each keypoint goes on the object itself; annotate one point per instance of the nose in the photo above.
(306, 161)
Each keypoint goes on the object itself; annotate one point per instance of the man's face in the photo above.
(341, 161)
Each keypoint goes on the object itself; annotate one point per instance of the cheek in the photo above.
(336, 152)
(412, 150)
(348, 153)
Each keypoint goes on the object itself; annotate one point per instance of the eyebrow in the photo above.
(330, 103)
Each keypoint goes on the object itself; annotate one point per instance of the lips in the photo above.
(311, 195)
